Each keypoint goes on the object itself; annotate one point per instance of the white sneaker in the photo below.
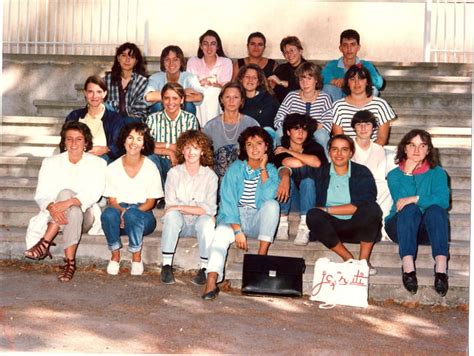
(113, 268)
(137, 268)
(282, 232)
(302, 237)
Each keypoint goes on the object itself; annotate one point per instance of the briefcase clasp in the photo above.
(272, 273)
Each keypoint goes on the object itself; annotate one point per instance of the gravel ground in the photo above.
(97, 313)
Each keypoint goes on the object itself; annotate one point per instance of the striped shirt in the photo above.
(134, 101)
(320, 109)
(342, 114)
(163, 129)
(250, 190)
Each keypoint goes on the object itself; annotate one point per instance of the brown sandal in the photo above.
(68, 270)
(40, 250)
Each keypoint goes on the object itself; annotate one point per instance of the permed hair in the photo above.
(199, 139)
(253, 131)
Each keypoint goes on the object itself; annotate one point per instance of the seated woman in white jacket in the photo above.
(191, 202)
(69, 184)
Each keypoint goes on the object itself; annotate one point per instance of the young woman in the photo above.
(346, 208)
(358, 88)
(172, 64)
(69, 184)
(167, 125)
(104, 124)
(371, 155)
(191, 196)
(133, 185)
(126, 83)
(310, 101)
(256, 43)
(283, 79)
(213, 69)
(248, 208)
(260, 103)
(300, 153)
(420, 192)
(225, 129)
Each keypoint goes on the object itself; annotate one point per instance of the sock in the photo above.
(441, 264)
(167, 259)
(203, 261)
(408, 264)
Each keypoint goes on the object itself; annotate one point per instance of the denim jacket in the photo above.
(232, 187)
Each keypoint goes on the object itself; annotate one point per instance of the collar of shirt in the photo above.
(340, 62)
(201, 171)
(172, 120)
(332, 172)
(99, 115)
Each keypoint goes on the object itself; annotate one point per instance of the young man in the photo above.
(283, 79)
(333, 72)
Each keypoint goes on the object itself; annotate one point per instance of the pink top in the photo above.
(222, 69)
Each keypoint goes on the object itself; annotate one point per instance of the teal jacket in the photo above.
(232, 187)
(431, 187)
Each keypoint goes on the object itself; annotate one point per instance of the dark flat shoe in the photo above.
(441, 283)
(211, 295)
(200, 278)
(410, 282)
(166, 275)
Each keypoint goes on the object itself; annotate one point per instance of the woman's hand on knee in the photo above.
(241, 241)
(402, 202)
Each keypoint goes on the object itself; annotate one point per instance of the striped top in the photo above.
(343, 112)
(320, 109)
(250, 190)
(163, 129)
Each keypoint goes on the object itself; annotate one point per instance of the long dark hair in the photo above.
(75, 126)
(431, 157)
(133, 51)
(220, 50)
(253, 131)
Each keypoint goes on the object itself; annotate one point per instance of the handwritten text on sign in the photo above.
(358, 279)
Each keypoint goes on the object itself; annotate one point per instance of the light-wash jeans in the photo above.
(174, 226)
(137, 224)
(260, 224)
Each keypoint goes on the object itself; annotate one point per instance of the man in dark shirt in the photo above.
(283, 79)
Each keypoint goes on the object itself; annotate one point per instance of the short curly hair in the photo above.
(253, 131)
(75, 126)
(199, 139)
(142, 129)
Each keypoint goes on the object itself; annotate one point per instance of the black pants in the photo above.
(364, 226)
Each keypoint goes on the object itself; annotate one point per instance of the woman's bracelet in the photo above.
(236, 232)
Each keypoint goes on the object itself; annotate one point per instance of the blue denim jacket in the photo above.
(232, 187)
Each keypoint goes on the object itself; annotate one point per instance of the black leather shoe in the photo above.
(410, 282)
(211, 295)
(167, 276)
(200, 278)
(441, 283)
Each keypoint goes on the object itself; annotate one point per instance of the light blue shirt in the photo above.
(186, 79)
(338, 190)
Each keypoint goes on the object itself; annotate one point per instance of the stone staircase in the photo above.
(436, 97)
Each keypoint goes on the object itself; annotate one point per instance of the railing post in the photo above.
(427, 37)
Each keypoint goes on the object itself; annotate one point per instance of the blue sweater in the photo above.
(232, 187)
(335, 69)
(112, 122)
(431, 187)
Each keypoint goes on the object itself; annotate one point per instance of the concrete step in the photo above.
(441, 136)
(32, 125)
(37, 146)
(427, 84)
(414, 69)
(387, 284)
(426, 118)
(428, 101)
(20, 166)
(58, 108)
(455, 157)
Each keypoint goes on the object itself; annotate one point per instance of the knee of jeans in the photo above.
(222, 234)
(411, 210)
(132, 213)
(204, 221)
(271, 206)
(173, 217)
(109, 214)
(435, 213)
(65, 194)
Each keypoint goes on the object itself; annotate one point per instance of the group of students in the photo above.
(320, 150)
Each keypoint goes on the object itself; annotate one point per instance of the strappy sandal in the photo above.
(40, 250)
(68, 270)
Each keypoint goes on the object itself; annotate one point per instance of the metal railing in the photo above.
(84, 27)
(449, 31)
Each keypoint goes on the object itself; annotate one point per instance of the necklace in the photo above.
(234, 129)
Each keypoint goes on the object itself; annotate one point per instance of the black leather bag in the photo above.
(273, 275)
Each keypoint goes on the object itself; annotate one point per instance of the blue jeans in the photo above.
(410, 227)
(137, 224)
(306, 189)
(175, 226)
(260, 224)
(187, 106)
(163, 164)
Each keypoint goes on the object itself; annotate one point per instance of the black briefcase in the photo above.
(273, 275)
